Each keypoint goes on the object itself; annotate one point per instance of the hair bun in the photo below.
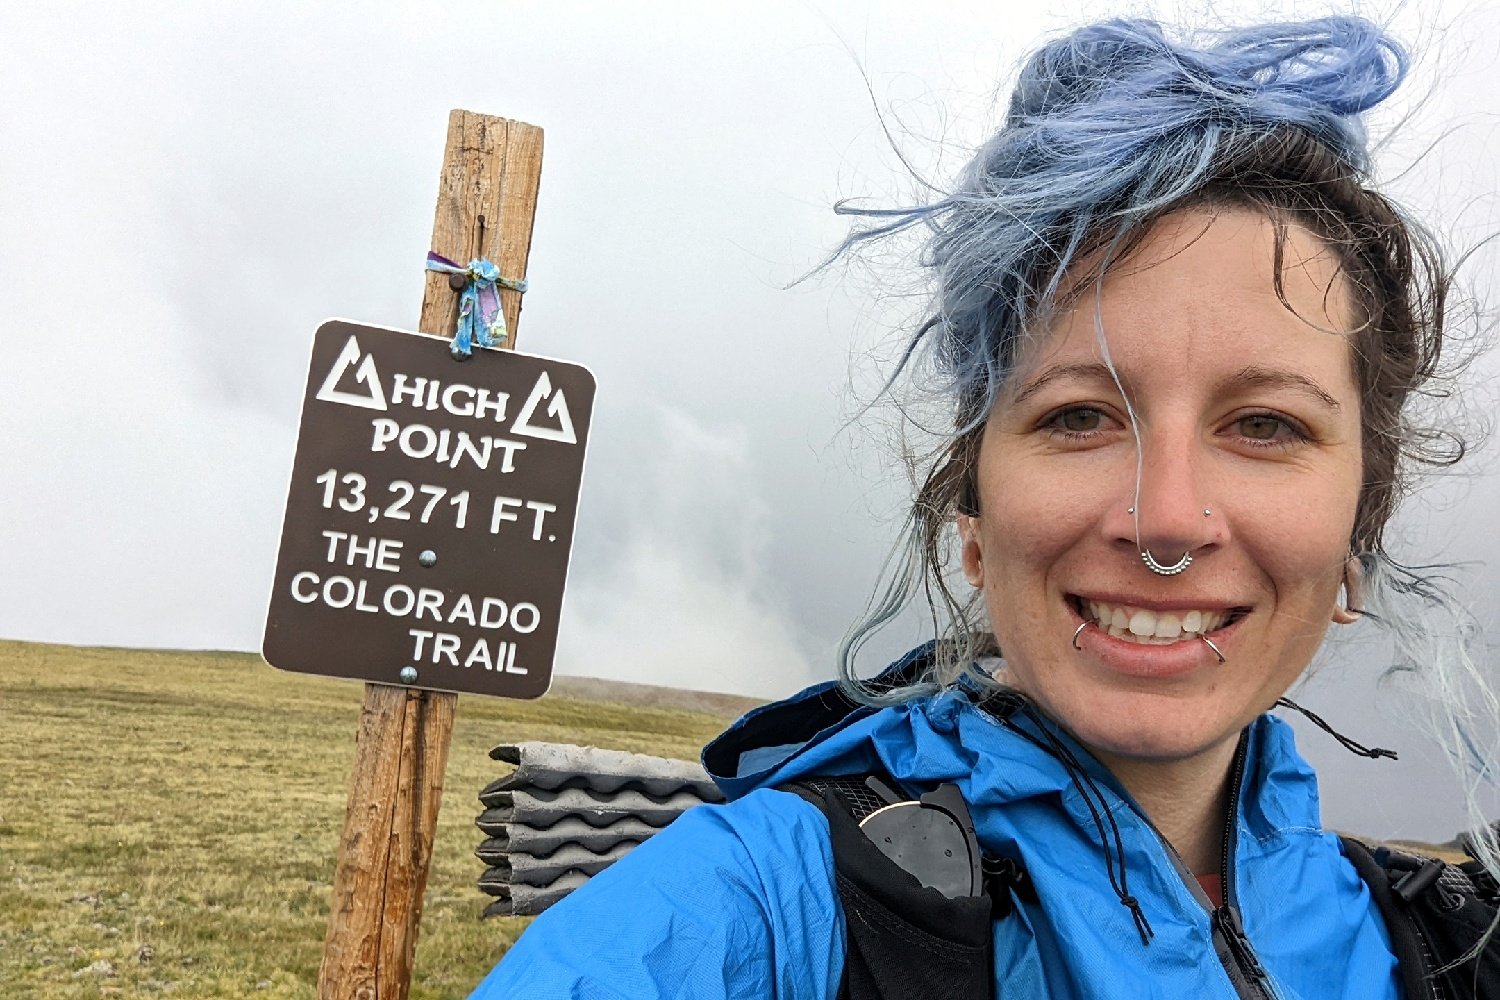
(1068, 72)
(1309, 73)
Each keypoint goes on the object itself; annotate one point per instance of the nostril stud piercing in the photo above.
(1130, 510)
(1207, 512)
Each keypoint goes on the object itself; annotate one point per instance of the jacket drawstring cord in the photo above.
(1096, 803)
(1352, 746)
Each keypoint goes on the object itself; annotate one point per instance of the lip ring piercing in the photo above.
(1210, 643)
(1162, 570)
(1206, 641)
(1076, 633)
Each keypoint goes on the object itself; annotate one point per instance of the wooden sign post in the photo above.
(485, 207)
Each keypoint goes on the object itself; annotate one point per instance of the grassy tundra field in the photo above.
(169, 821)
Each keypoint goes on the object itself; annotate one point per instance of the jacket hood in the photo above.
(1028, 804)
(755, 746)
(957, 736)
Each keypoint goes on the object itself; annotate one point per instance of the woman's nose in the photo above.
(1171, 514)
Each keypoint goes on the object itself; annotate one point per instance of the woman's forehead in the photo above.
(1200, 292)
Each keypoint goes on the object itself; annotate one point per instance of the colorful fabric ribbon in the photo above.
(480, 319)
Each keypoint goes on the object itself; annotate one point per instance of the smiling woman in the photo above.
(1237, 403)
(1179, 334)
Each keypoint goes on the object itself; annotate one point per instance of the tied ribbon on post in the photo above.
(480, 319)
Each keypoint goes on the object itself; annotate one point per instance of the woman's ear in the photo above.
(971, 555)
(1352, 598)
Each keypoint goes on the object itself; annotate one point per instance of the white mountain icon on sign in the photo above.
(373, 398)
(557, 410)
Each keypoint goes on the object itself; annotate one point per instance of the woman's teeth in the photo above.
(1152, 627)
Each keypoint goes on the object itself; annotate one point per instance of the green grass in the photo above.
(169, 821)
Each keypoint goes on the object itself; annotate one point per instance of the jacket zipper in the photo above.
(1245, 972)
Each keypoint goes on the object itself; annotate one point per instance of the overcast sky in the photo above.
(187, 191)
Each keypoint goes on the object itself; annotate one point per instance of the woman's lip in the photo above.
(1176, 604)
(1138, 659)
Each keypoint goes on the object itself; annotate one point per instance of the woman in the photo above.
(1179, 335)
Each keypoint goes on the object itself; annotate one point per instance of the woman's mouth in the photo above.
(1154, 628)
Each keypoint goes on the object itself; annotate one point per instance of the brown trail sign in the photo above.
(485, 207)
(430, 515)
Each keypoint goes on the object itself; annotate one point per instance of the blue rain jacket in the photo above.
(737, 900)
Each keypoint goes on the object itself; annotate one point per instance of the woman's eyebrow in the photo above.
(1256, 377)
(1085, 371)
(1249, 377)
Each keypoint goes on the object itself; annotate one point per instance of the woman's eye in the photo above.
(1079, 420)
(1260, 427)
(1267, 430)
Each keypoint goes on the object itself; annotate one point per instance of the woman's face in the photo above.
(1247, 410)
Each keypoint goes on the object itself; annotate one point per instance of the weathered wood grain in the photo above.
(491, 172)
(492, 169)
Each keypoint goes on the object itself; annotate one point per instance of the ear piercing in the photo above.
(1348, 610)
(1162, 570)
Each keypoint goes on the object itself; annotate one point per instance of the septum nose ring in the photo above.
(1161, 570)
(1154, 564)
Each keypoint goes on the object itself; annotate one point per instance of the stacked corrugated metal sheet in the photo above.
(567, 812)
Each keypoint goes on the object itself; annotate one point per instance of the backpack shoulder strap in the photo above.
(1442, 920)
(853, 793)
(904, 940)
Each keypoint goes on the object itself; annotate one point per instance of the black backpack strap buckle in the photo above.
(1417, 881)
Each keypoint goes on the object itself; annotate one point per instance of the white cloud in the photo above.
(689, 598)
(190, 189)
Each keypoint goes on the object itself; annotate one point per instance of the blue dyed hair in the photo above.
(1108, 129)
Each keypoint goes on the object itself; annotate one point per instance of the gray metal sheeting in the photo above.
(567, 812)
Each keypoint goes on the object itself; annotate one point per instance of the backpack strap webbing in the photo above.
(1436, 914)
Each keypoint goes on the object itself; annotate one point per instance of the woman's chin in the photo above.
(1148, 728)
